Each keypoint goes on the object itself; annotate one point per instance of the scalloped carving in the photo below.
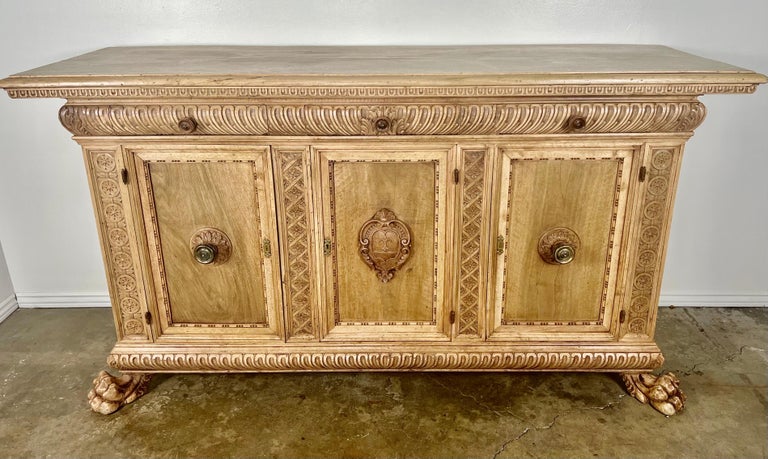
(360, 120)
(391, 360)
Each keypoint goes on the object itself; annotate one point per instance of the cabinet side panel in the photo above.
(118, 243)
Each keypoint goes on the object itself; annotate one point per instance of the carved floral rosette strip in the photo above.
(425, 360)
(109, 203)
(297, 232)
(403, 119)
(471, 231)
(650, 247)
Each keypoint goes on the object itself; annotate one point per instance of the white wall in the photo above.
(717, 252)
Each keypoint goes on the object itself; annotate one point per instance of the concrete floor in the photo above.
(49, 357)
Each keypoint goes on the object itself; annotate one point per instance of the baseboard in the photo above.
(7, 306)
(715, 300)
(63, 300)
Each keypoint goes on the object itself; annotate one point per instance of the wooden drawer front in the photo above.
(384, 226)
(553, 204)
(221, 200)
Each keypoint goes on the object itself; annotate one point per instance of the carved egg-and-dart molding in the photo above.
(385, 244)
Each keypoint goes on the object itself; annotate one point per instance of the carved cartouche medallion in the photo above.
(385, 244)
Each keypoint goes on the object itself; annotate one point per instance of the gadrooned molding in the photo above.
(349, 119)
(417, 360)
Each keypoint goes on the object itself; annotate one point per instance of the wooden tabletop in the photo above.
(252, 66)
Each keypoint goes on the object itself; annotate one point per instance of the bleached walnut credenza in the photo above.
(383, 208)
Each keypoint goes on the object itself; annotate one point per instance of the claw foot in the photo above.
(662, 391)
(109, 392)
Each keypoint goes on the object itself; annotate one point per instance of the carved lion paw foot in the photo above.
(109, 392)
(662, 392)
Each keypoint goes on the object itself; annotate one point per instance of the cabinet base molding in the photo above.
(110, 393)
(215, 360)
(662, 392)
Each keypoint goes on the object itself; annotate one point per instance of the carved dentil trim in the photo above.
(385, 244)
(419, 360)
(300, 323)
(312, 92)
(471, 230)
(405, 119)
(653, 216)
(109, 204)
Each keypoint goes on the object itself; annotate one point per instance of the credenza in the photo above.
(464, 208)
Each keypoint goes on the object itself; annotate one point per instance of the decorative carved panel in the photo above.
(654, 217)
(117, 243)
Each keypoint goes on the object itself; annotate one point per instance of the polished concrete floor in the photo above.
(49, 357)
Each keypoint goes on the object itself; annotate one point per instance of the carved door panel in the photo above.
(385, 229)
(560, 223)
(210, 220)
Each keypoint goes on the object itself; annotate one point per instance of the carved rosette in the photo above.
(366, 120)
(296, 217)
(471, 234)
(554, 238)
(385, 244)
(109, 204)
(215, 237)
(216, 361)
(650, 246)
(661, 392)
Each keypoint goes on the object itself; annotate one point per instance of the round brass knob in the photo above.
(187, 125)
(563, 254)
(205, 254)
(558, 246)
(577, 123)
(382, 124)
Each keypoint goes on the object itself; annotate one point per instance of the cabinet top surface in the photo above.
(258, 66)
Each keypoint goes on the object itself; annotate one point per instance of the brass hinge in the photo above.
(455, 176)
(622, 316)
(452, 317)
(124, 175)
(267, 248)
(148, 318)
(500, 245)
(643, 171)
(326, 247)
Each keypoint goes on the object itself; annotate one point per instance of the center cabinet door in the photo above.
(210, 224)
(384, 232)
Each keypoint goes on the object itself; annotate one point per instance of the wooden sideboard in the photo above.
(501, 208)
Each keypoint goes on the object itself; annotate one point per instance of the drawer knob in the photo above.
(382, 124)
(564, 254)
(205, 254)
(188, 125)
(577, 123)
(210, 246)
(558, 246)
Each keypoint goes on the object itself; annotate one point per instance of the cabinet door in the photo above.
(209, 218)
(560, 228)
(385, 227)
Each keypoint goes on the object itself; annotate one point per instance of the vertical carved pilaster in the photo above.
(297, 231)
(121, 268)
(471, 230)
(652, 235)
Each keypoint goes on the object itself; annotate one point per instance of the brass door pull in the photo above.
(205, 253)
(558, 246)
(210, 246)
